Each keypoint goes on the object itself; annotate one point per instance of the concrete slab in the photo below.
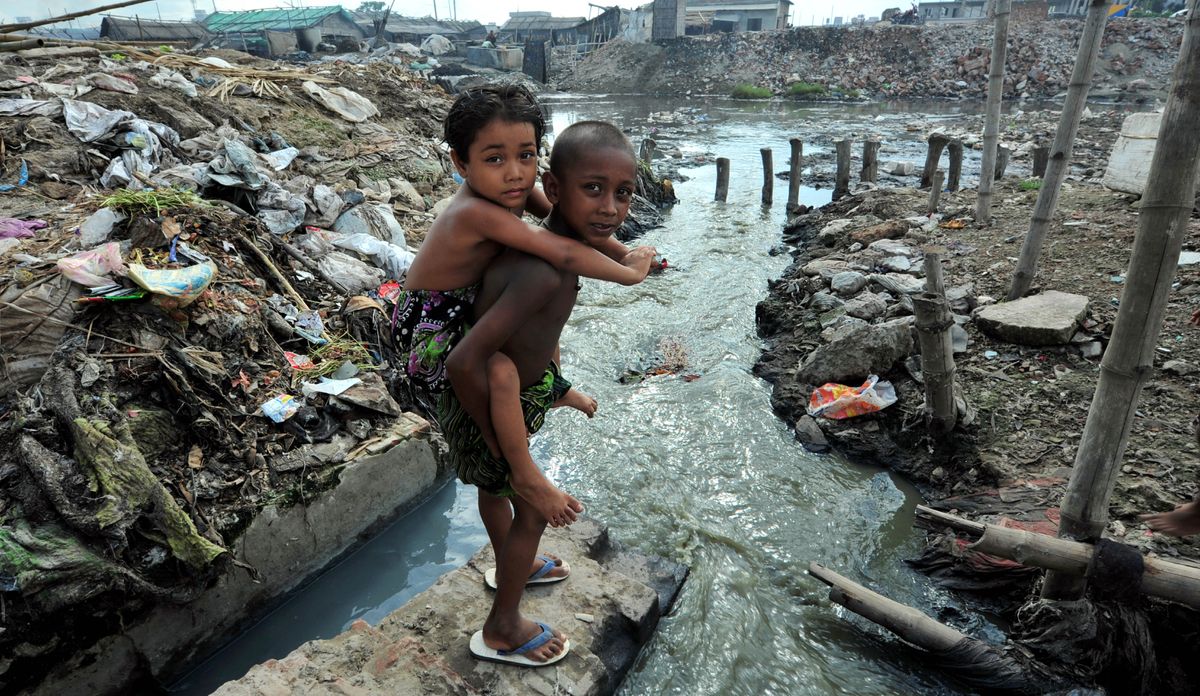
(422, 647)
(1048, 319)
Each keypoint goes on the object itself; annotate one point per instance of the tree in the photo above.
(371, 6)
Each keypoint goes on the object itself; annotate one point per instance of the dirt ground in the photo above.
(1030, 403)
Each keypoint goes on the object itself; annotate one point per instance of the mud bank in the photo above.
(881, 62)
(278, 552)
(608, 609)
(840, 313)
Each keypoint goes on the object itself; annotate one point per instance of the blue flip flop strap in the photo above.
(548, 564)
(533, 644)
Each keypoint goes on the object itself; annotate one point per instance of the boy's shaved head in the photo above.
(584, 137)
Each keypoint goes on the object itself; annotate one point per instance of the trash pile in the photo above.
(886, 61)
(195, 259)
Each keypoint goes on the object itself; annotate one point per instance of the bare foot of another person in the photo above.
(1182, 521)
(559, 571)
(579, 401)
(558, 508)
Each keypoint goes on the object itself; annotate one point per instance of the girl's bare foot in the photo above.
(579, 401)
(501, 637)
(1182, 521)
(559, 509)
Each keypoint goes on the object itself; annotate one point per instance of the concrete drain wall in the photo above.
(285, 546)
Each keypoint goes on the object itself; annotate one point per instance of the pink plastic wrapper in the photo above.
(91, 268)
(12, 227)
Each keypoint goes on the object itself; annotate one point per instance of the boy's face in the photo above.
(501, 163)
(593, 195)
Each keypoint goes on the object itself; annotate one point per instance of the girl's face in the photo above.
(501, 162)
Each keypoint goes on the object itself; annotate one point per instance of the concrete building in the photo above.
(708, 16)
(953, 11)
(669, 19)
(284, 30)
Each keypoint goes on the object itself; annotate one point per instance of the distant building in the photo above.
(707, 16)
(284, 30)
(669, 19)
(60, 32)
(145, 29)
(414, 30)
(953, 11)
(1068, 8)
(540, 26)
(603, 27)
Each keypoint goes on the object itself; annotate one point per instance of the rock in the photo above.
(826, 268)
(867, 306)
(898, 283)
(847, 283)
(1091, 349)
(858, 352)
(899, 168)
(1048, 319)
(835, 228)
(823, 302)
(440, 206)
(892, 229)
(404, 192)
(1180, 368)
(959, 338)
(898, 264)
(840, 326)
(809, 433)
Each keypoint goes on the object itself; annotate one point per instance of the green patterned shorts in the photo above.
(469, 453)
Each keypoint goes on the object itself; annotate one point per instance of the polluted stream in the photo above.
(693, 465)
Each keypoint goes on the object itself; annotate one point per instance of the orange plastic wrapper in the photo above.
(838, 401)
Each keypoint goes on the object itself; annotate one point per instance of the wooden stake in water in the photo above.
(933, 323)
(647, 153)
(956, 157)
(722, 179)
(793, 200)
(937, 143)
(1041, 155)
(768, 189)
(841, 182)
(870, 165)
(935, 190)
(1129, 361)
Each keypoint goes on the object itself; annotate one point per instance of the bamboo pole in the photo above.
(1060, 151)
(1129, 360)
(935, 191)
(841, 183)
(870, 165)
(793, 201)
(903, 620)
(647, 152)
(991, 123)
(937, 143)
(722, 179)
(933, 322)
(1173, 581)
(62, 18)
(768, 189)
(10, 46)
(956, 159)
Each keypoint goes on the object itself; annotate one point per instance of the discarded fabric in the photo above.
(838, 401)
(14, 228)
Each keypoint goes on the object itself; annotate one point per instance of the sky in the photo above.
(803, 12)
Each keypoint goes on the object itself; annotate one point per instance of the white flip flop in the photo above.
(538, 577)
(481, 651)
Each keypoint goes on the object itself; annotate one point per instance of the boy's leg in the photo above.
(506, 628)
(504, 386)
(497, 515)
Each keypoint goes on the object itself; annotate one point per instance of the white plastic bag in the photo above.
(392, 259)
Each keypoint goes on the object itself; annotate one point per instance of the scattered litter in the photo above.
(299, 362)
(13, 228)
(91, 267)
(332, 387)
(838, 401)
(281, 408)
(586, 618)
(22, 179)
(182, 285)
(99, 225)
(345, 103)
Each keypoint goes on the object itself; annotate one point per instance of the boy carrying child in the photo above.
(519, 311)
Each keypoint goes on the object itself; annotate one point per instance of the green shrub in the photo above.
(1030, 185)
(806, 89)
(745, 91)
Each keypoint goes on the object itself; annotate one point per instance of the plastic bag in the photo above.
(838, 401)
(183, 285)
(349, 272)
(12, 227)
(91, 268)
(391, 258)
(349, 105)
(373, 219)
(98, 227)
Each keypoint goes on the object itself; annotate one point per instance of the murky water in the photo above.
(699, 471)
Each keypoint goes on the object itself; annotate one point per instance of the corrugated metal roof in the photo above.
(710, 5)
(535, 21)
(73, 33)
(279, 19)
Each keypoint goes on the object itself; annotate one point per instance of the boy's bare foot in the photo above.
(579, 401)
(558, 508)
(502, 637)
(1182, 521)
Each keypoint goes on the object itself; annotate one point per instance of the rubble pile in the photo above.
(197, 256)
(887, 61)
